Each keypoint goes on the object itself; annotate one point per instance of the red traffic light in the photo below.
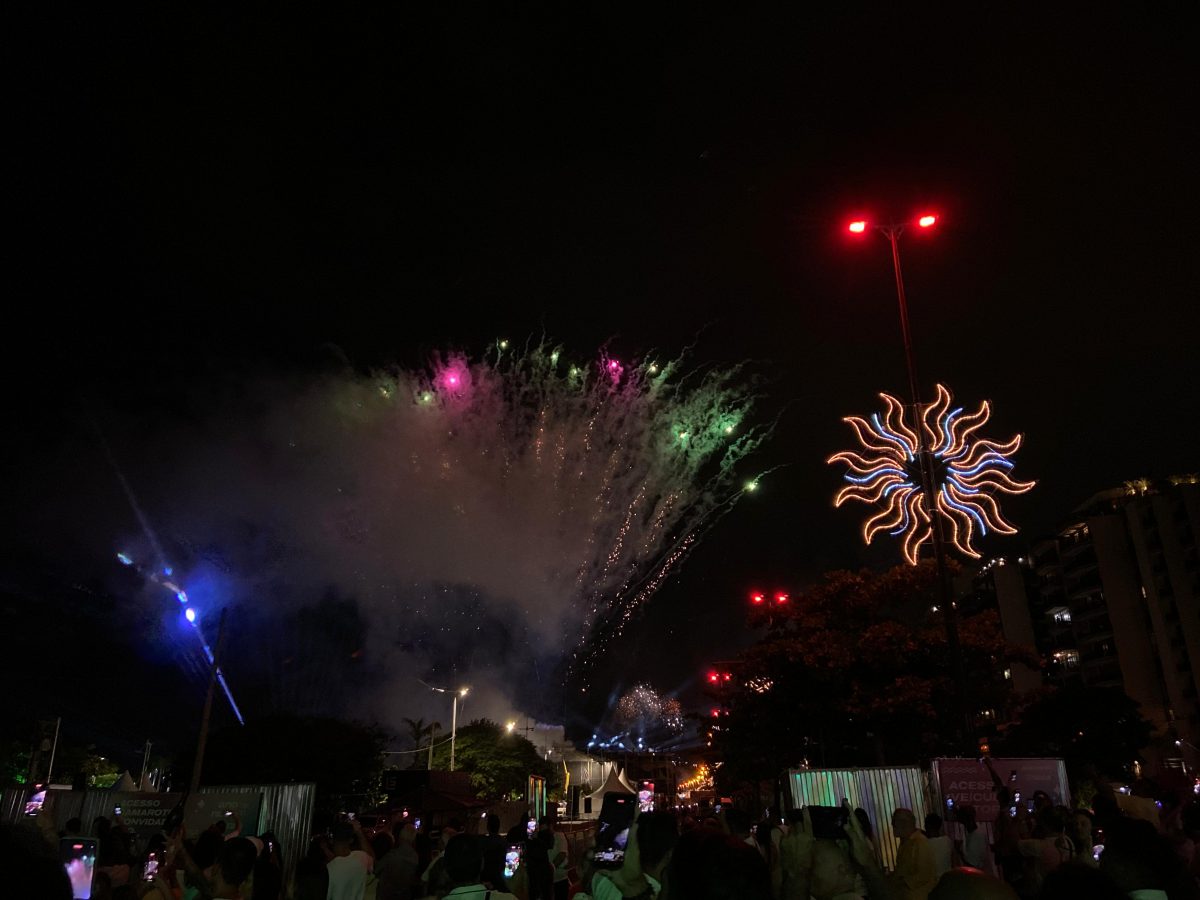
(758, 599)
(781, 597)
(714, 677)
(927, 220)
(858, 226)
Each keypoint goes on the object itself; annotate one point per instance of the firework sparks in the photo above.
(642, 710)
(967, 471)
(543, 500)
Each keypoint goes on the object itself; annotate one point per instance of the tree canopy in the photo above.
(1085, 726)
(345, 759)
(499, 763)
(856, 671)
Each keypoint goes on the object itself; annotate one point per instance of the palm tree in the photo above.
(417, 730)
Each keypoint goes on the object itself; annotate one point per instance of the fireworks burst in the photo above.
(566, 493)
(642, 709)
(966, 472)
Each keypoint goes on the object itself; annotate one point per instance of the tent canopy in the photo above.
(613, 782)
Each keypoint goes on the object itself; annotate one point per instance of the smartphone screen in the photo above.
(151, 867)
(512, 860)
(116, 810)
(78, 857)
(531, 827)
(616, 815)
(34, 804)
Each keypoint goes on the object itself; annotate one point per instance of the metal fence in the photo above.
(878, 791)
(286, 810)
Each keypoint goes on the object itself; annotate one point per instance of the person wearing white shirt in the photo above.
(349, 868)
(942, 846)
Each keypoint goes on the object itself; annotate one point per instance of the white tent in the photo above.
(613, 782)
(124, 783)
(625, 781)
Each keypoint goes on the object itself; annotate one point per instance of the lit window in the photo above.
(1068, 658)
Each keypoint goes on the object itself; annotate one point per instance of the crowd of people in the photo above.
(1036, 851)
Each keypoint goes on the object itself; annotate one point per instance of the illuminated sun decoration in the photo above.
(966, 472)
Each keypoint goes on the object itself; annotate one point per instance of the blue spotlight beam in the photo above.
(190, 614)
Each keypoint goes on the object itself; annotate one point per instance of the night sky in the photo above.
(204, 201)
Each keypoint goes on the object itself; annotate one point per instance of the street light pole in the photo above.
(454, 723)
(925, 464)
(453, 728)
(461, 692)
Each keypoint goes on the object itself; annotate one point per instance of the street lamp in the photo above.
(892, 231)
(461, 692)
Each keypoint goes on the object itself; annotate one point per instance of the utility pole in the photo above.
(53, 750)
(208, 701)
(145, 763)
(432, 730)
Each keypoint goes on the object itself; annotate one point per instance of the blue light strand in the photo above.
(874, 475)
(950, 479)
(966, 509)
(996, 460)
(884, 433)
(946, 429)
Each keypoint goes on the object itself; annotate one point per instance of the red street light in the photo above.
(926, 220)
(713, 677)
(858, 226)
(758, 599)
(781, 597)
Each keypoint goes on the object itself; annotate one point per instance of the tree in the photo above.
(499, 763)
(418, 731)
(345, 759)
(856, 671)
(1084, 726)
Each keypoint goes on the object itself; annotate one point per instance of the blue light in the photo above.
(962, 488)
(887, 434)
(876, 474)
(183, 597)
(168, 570)
(994, 460)
(190, 614)
(124, 560)
(972, 513)
(229, 695)
(946, 429)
